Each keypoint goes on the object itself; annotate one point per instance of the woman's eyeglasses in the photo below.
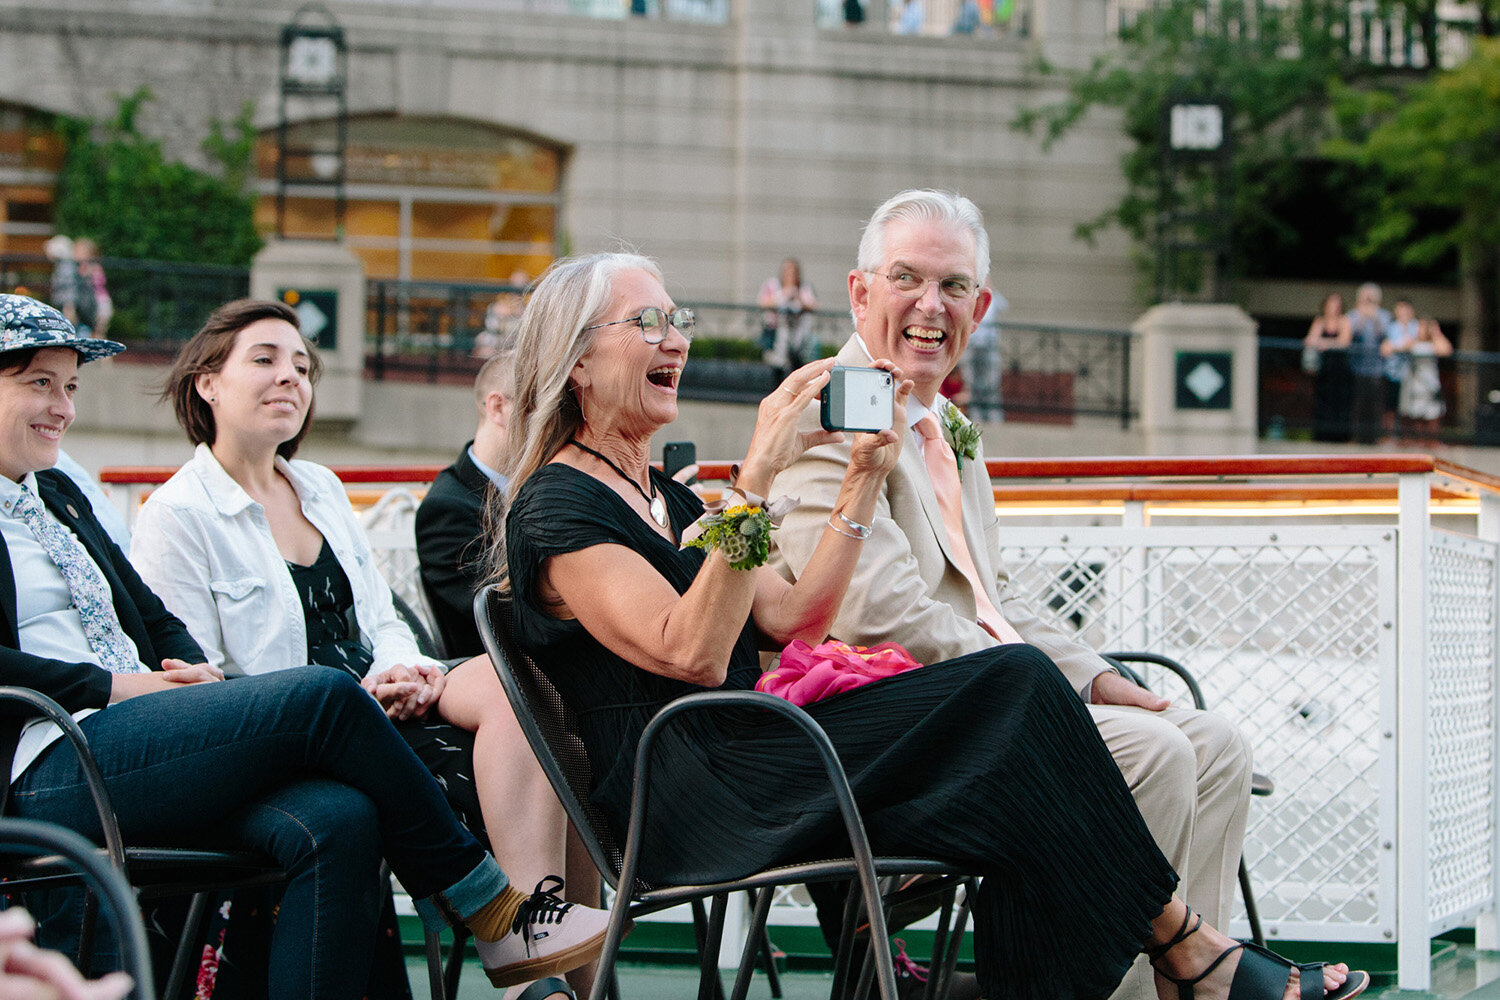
(653, 323)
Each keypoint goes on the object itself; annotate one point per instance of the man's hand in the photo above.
(1110, 688)
(406, 691)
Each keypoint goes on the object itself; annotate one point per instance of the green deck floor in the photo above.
(1459, 971)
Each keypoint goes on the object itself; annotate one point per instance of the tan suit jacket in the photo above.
(907, 586)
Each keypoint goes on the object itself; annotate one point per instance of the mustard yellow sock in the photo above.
(492, 921)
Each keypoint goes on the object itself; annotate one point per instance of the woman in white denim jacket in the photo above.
(262, 558)
(207, 550)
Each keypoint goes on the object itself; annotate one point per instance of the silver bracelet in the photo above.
(857, 530)
(846, 534)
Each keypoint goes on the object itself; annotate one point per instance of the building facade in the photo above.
(487, 136)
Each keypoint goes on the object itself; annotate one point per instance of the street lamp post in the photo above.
(1199, 141)
(314, 80)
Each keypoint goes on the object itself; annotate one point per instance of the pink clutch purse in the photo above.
(811, 673)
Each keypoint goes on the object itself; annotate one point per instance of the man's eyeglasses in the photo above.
(653, 323)
(953, 288)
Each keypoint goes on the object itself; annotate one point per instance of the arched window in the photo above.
(31, 153)
(428, 197)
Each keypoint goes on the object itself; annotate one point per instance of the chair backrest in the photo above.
(107, 883)
(427, 641)
(551, 727)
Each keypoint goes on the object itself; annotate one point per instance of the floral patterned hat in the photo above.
(25, 322)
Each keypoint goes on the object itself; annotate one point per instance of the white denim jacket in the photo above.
(205, 547)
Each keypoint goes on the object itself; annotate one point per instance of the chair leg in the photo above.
(755, 943)
(768, 951)
(605, 980)
(844, 958)
(710, 986)
(955, 941)
(1252, 912)
(86, 930)
(434, 942)
(934, 987)
(189, 953)
(455, 966)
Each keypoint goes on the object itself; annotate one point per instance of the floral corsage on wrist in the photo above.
(741, 531)
(962, 436)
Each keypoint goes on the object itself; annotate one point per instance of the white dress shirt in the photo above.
(206, 548)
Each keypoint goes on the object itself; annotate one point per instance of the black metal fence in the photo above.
(1331, 405)
(442, 331)
(156, 303)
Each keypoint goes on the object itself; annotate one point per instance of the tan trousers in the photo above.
(1189, 772)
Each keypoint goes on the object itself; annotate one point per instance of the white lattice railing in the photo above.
(1355, 644)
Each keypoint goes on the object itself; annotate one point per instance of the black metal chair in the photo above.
(428, 643)
(1260, 784)
(52, 847)
(153, 872)
(551, 728)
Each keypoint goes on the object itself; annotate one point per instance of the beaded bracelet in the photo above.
(741, 532)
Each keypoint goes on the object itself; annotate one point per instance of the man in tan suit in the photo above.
(918, 292)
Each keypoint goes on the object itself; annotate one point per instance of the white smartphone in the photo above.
(858, 399)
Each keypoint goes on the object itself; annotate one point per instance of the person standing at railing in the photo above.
(789, 304)
(931, 578)
(262, 557)
(94, 284)
(1325, 356)
(1421, 401)
(1369, 326)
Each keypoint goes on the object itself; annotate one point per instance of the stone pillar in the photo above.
(325, 283)
(1200, 370)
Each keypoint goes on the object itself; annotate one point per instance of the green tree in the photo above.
(116, 186)
(1276, 64)
(1436, 144)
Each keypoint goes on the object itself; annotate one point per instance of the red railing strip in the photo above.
(155, 475)
(1003, 470)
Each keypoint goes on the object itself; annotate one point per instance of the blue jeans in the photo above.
(300, 764)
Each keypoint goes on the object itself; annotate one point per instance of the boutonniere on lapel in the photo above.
(961, 435)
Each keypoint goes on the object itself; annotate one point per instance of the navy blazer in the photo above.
(450, 551)
(157, 633)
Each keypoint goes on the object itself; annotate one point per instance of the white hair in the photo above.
(922, 206)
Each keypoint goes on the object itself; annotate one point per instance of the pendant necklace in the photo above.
(658, 508)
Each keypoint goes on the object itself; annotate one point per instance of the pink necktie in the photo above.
(942, 467)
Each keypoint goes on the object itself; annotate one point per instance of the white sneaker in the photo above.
(547, 937)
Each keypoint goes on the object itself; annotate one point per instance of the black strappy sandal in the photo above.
(1262, 974)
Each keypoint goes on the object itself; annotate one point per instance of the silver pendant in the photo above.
(658, 511)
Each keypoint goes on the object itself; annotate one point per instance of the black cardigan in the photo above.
(157, 633)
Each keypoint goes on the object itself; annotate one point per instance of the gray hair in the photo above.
(920, 206)
(1369, 288)
(551, 338)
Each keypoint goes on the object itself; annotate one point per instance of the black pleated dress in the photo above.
(989, 760)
